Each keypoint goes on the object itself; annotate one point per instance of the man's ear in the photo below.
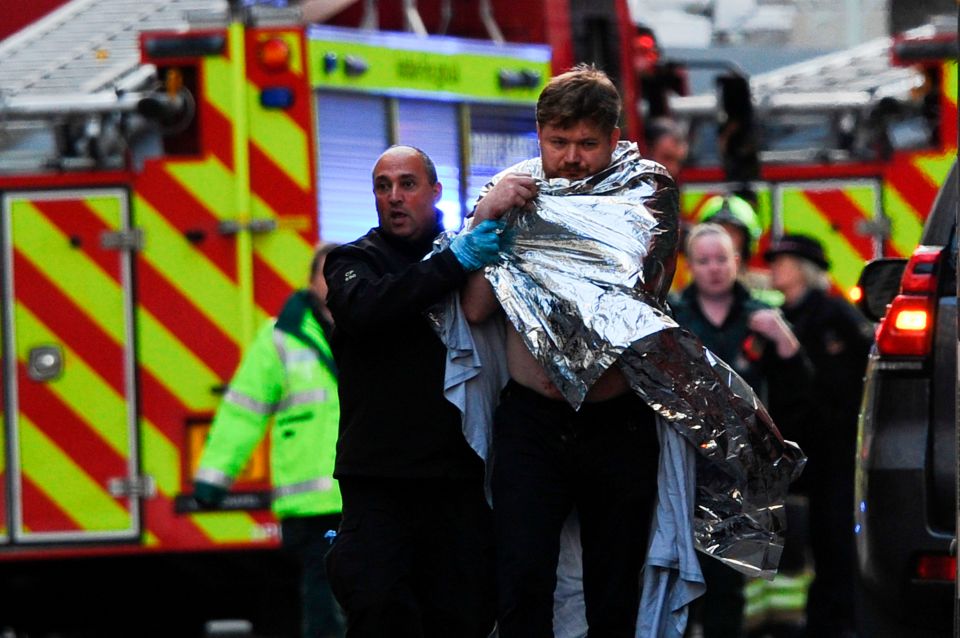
(614, 135)
(437, 192)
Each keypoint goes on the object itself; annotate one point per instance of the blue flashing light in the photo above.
(276, 97)
(863, 506)
(857, 528)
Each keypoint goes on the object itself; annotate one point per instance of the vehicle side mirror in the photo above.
(879, 282)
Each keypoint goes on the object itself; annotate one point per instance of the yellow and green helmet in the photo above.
(735, 211)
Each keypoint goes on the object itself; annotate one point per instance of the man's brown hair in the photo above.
(582, 93)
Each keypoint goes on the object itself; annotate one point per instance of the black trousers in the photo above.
(414, 558)
(303, 536)
(830, 601)
(549, 459)
(720, 609)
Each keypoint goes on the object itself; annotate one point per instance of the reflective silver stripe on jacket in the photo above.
(300, 398)
(279, 343)
(300, 356)
(313, 485)
(248, 402)
(288, 357)
(213, 477)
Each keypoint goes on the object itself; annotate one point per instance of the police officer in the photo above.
(837, 339)
(287, 373)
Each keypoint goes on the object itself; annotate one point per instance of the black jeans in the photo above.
(549, 459)
(414, 558)
(303, 536)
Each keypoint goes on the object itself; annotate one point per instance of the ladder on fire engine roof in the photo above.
(86, 46)
(851, 78)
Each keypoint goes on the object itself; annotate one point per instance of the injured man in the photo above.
(600, 498)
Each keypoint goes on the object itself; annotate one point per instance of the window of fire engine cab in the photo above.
(912, 122)
(803, 137)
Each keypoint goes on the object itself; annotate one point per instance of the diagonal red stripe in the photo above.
(844, 215)
(948, 120)
(69, 431)
(84, 228)
(270, 292)
(217, 134)
(278, 190)
(174, 531)
(39, 513)
(190, 326)
(694, 210)
(912, 184)
(68, 321)
(163, 408)
(168, 414)
(188, 215)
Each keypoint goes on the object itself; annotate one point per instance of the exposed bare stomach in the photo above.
(525, 370)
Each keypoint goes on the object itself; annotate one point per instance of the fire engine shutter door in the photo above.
(70, 379)
(846, 217)
(352, 130)
(434, 127)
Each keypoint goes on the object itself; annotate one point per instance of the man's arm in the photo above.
(242, 418)
(662, 259)
(477, 298)
(363, 300)
(513, 190)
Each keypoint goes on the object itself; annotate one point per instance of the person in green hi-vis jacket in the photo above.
(287, 374)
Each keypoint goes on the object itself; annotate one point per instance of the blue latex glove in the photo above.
(479, 246)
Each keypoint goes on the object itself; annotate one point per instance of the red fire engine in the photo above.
(850, 147)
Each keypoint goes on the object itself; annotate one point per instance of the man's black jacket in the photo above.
(394, 420)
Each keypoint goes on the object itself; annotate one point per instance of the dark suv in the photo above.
(907, 443)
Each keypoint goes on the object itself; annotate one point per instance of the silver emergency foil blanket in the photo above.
(577, 280)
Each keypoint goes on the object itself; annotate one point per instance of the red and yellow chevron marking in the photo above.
(199, 294)
(912, 180)
(282, 170)
(832, 212)
(202, 292)
(73, 432)
(948, 106)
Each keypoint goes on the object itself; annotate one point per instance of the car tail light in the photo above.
(936, 567)
(907, 328)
